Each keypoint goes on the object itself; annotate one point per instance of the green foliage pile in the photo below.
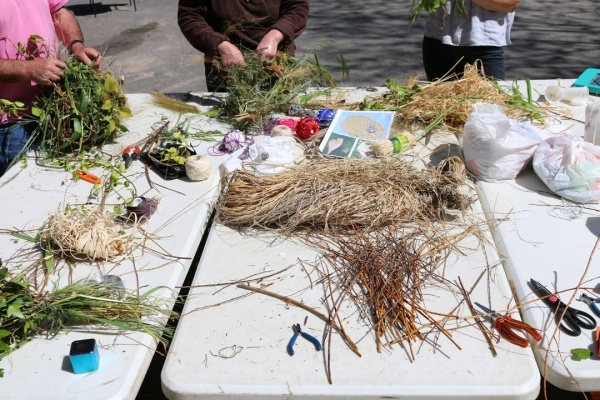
(25, 314)
(261, 87)
(84, 110)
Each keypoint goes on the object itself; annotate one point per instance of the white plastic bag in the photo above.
(570, 167)
(495, 147)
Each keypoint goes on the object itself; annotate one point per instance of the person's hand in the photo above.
(230, 55)
(86, 55)
(45, 71)
(268, 45)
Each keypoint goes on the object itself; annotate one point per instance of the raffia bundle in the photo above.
(341, 195)
(86, 236)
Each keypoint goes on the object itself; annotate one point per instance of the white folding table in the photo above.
(41, 368)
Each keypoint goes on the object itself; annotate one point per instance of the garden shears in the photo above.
(298, 331)
(507, 325)
(130, 156)
(571, 320)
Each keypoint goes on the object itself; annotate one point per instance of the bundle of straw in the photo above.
(25, 314)
(448, 103)
(85, 236)
(341, 195)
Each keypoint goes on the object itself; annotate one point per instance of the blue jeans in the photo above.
(439, 58)
(13, 138)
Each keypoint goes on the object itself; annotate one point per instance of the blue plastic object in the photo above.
(84, 356)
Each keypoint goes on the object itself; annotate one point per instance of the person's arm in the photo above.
(294, 17)
(498, 5)
(69, 32)
(43, 71)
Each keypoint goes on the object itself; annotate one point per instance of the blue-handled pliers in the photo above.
(590, 301)
(298, 331)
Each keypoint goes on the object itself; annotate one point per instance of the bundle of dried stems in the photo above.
(85, 236)
(341, 195)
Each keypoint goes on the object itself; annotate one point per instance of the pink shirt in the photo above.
(19, 19)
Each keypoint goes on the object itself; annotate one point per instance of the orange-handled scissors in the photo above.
(506, 325)
(86, 176)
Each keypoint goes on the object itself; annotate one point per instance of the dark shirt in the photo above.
(207, 23)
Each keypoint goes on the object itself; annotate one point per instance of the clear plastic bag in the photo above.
(570, 167)
(494, 146)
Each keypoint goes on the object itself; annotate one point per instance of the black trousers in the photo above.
(439, 59)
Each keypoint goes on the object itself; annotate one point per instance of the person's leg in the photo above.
(440, 60)
(491, 57)
(13, 139)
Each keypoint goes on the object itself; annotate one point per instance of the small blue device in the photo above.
(590, 78)
(84, 356)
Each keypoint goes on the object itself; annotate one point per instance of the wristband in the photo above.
(73, 43)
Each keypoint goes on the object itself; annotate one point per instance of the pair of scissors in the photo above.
(572, 319)
(506, 325)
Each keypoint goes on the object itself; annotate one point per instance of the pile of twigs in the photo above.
(384, 274)
(341, 195)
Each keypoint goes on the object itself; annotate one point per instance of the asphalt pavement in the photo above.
(551, 39)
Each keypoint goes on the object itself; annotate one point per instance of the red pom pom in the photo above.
(307, 128)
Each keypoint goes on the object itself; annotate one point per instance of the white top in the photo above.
(476, 27)
(231, 343)
(41, 368)
(551, 241)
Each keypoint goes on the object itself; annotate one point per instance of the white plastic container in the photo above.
(592, 123)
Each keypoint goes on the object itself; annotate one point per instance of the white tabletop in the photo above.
(41, 368)
(551, 241)
(231, 343)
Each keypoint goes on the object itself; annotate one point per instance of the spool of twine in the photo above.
(282, 130)
(197, 167)
(141, 209)
(392, 146)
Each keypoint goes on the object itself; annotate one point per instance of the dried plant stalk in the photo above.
(341, 195)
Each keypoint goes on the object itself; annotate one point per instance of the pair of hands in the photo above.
(231, 55)
(46, 71)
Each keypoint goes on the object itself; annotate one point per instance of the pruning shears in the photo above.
(129, 156)
(298, 331)
(591, 301)
(506, 325)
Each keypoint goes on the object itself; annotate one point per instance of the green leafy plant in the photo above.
(11, 107)
(82, 111)
(25, 314)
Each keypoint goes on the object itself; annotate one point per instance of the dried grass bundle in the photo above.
(341, 195)
(85, 236)
(161, 100)
(450, 102)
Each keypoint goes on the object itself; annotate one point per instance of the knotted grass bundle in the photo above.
(25, 313)
(80, 112)
(86, 235)
(342, 195)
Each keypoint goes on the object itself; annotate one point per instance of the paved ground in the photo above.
(551, 39)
